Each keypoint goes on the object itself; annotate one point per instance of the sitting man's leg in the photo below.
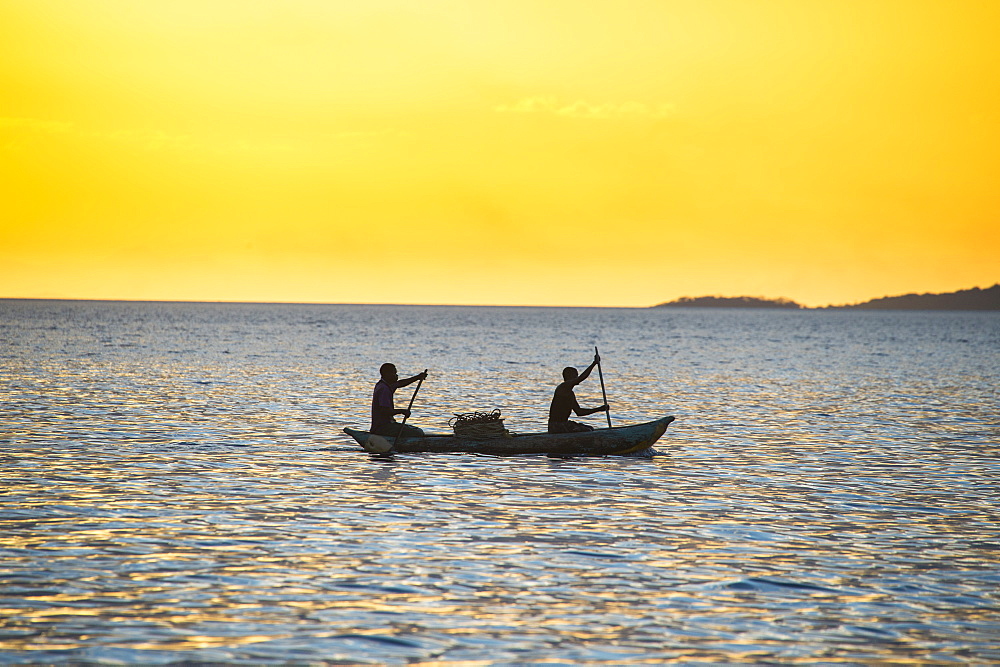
(408, 431)
(394, 428)
(569, 427)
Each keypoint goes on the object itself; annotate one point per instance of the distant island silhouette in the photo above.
(728, 302)
(970, 299)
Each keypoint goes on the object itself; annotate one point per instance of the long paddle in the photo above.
(410, 407)
(603, 393)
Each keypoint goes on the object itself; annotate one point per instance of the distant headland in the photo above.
(970, 299)
(728, 302)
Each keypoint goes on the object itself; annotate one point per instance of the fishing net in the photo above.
(479, 425)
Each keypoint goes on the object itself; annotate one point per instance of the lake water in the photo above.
(176, 487)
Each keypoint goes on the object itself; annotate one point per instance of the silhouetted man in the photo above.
(383, 409)
(564, 402)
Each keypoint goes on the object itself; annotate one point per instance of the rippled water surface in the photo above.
(176, 487)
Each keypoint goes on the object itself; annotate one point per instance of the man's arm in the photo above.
(584, 375)
(386, 411)
(383, 403)
(583, 412)
(418, 376)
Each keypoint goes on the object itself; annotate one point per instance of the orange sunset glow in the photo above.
(617, 153)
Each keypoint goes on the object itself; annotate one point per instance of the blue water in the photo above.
(176, 487)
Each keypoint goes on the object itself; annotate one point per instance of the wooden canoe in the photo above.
(619, 441)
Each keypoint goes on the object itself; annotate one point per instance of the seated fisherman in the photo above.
(383, 409)
(564, 402)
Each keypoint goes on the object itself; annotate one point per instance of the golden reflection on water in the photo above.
(197, 507)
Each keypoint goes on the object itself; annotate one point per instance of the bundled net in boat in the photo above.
(479, 425)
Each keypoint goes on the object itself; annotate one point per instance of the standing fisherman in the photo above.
(383, 409)
(564, 402)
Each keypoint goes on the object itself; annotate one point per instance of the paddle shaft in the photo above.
(410, 407)
(603, 393)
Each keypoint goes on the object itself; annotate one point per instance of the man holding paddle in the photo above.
(564, 402)
(383, 409)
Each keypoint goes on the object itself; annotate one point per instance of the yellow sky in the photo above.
(544, 152)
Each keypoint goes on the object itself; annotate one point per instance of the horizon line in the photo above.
(313, 303)
(464, 305)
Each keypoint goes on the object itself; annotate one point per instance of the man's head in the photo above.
(388, 372)
(570, 374)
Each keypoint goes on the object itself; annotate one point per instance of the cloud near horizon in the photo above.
(156, 139)
(580, 109)
(36, 125)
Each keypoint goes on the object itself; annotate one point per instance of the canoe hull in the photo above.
(618, 441)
